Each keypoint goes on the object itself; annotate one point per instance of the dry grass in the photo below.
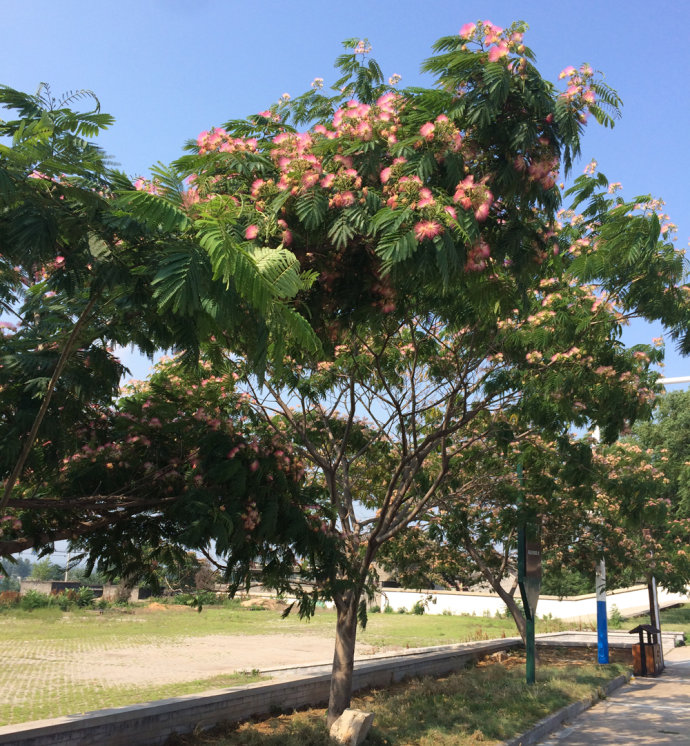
(486, 704)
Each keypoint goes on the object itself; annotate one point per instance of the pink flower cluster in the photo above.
(217, 139)
(544, 168)
(142, 185)
(427, 229)
(10, 521)
(299, 168)
(364, 122)
(478, 256)
(442, 132)
(494, 39)
(579, 91)
(474, 196)
(405, 191)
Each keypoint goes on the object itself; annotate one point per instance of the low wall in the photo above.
(153, 723)
(627, 601)
(56, 586)
(107, 592)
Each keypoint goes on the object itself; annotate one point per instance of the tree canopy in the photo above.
(80, 274)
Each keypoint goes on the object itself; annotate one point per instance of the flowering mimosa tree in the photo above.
(446, 288)
(410, 418)
(612, 502)
(418, 231)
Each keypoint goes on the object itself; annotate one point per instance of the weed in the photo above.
(615, 618)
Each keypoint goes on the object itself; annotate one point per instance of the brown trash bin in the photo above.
(647, 654)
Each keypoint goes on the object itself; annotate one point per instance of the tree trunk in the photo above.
(514, 609)
(507, 597)
(344, 656)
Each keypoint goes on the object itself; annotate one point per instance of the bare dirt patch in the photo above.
(192, 658)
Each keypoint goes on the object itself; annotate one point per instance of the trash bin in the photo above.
(647, 654)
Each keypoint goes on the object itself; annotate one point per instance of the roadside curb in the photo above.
(555, 720)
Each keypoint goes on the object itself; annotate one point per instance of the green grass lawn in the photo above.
(409, 630)
(42, 699)
(677, 620)
(132, 625)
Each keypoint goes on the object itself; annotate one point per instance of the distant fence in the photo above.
(627, 600)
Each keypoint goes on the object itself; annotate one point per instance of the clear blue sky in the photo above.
(167, 69)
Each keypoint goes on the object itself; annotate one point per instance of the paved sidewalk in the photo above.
(646, 711)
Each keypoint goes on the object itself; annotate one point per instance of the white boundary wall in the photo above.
(626, 600)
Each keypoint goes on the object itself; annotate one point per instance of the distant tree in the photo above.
(565, 581)
(18, 567)
(46, 570)
(9, 583)
(666, 439)
(12, 570)
(79, 573)
(205, 578)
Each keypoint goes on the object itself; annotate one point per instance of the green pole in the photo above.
(530, 651)
(530, 667)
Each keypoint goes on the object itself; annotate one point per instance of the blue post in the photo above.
(602, 620)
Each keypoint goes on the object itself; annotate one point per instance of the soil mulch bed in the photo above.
(306, 726)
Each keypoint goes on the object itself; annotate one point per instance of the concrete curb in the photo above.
(551, 722)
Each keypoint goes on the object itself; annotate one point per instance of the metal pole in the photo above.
(600, 588)
(654, 617)
(530, 650)
(530, 647)
(602, 621)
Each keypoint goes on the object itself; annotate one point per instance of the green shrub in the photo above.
(375, 609)
(199, 599)
(418, 608)
(65, 601)
(35, 600)
(387, 609)
(84, 597)
(402, 610)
